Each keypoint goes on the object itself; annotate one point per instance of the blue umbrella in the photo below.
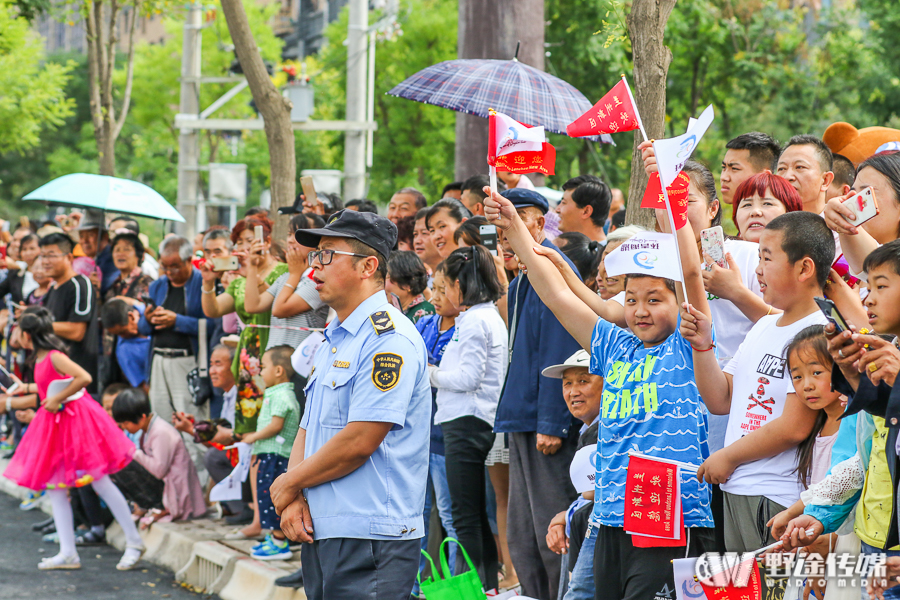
(106, 193)
(474, 86)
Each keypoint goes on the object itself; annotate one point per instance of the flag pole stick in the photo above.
(493, 174)
(637, 113)
(492, 168)
(670, 214)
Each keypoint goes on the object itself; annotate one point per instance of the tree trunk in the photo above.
(274, 109)
(491, 29)
(102, 40)
(646, 26)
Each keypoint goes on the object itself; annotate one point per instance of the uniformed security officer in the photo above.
(355, 486)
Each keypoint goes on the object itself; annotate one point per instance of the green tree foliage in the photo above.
(762, 66)
(587, 48)
(33, 97)
(414, 141)
(148, 147)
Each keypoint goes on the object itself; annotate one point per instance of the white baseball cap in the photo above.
(579, 359)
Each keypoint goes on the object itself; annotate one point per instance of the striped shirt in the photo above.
(314, 317)
(650, 404)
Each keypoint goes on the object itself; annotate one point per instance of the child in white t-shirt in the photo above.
(757, 467)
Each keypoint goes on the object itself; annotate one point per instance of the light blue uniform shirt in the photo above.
(372, 367)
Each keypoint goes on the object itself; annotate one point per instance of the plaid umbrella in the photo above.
(473, 86)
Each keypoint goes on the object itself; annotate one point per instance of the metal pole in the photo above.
(355, 141)
(370, 108)
(189, 139)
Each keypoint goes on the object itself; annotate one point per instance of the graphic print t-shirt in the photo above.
(761, 384)
(650, 404)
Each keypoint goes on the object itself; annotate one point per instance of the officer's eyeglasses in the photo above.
(326, 256)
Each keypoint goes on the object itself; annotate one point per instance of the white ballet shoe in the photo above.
(131, 557)
(60, 562)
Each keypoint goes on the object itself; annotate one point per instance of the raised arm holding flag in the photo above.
(651, 403)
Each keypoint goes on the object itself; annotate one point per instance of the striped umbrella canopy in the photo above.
(474, 86)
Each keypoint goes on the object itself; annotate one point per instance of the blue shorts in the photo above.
(269, 468)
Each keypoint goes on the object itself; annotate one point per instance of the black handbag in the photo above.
(198, 382)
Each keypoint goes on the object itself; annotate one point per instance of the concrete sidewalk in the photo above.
(198, 554)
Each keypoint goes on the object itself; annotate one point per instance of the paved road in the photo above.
(21, 550)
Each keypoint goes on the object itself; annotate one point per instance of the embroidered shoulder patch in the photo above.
(386, 368)
(382, 322)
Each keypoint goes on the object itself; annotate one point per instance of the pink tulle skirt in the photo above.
(71, 448)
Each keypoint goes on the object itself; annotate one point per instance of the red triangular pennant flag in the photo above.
(678, 196)
(614, 113)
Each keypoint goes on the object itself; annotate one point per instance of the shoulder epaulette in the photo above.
(382, 322)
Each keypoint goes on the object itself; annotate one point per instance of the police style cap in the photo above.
(521, 197)
(579, 359)
(372, 230)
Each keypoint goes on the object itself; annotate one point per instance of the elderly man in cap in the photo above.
(542, 432)
(569, 533)
(354, 491)
(93, 237)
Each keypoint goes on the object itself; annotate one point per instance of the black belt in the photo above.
(171, 352)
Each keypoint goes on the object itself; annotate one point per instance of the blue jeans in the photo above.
(890, 594)
(437, 472)
(581, 585)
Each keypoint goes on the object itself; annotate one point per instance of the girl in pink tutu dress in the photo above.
(71, 442)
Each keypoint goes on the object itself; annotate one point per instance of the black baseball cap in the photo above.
(373, 230)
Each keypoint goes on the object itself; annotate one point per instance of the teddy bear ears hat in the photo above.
(859, 144)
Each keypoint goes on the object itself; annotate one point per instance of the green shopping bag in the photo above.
(465, 586)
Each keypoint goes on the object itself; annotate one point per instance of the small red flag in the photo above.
(653, 500)
(614, 113)
(505, 133)
(678, 196)
(529, 162)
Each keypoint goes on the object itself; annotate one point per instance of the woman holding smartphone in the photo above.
(261, 269)
(292, 298)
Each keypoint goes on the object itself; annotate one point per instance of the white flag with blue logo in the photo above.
(512, 136)
(686, 587)
(649, 253)
(671, 154)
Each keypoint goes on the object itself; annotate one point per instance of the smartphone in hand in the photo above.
(149, 304)
(229, 263)
(309, 190)
(863, 205)
(488, 235)
(832, 314)
(712, 241)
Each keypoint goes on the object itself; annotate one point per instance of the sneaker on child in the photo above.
(272, 549)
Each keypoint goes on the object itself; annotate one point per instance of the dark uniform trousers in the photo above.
(354, 569)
